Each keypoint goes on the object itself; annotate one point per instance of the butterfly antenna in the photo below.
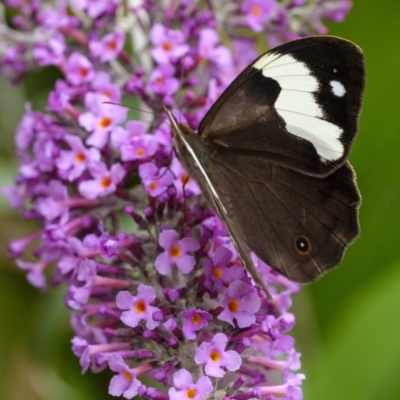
(133, 108)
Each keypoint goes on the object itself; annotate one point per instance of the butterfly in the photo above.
(271, 156)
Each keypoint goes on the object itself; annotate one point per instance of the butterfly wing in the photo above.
(296, 106)
(271, 156)
(300, 225)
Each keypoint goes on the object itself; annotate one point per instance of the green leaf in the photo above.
(362, 358)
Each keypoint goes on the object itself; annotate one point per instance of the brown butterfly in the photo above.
(271, 156)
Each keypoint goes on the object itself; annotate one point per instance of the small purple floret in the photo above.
(138, 307)
(188, 389)
(175, 253)
(216, 358)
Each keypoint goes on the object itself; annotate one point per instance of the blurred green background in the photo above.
(348, 323)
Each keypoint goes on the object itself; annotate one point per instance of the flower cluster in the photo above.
(153, 278)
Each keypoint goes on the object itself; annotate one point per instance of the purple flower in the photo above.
(240, 302)
(292, 362)
(54, 202)
(108, 47)
(163, 137)
(183, 380)
(139, 307)
(218, 269)
(196, 319)
(182, 180)
(95, 354)
(94, 8)
(26, 129)
(50, 52)
(13, 64)
(100, 119)
(125, 383)
(17, 247)
(60, 98)
(72, 163)
(105, 181)
(169, 44)
(211, 49)
(338, 10)
(245, 52)
(162, 80)
(155, 180)
(291, 389)
(14, 195)
(78, 69)
(133, 143)
(135, 85)
(139, 213)
(139, 149)
(258, 12)
(46, 151)
(175, 253)
(56, 18)
(215, 357)
(102, 84)
(35, 272)
(82, 285)
(133, 130)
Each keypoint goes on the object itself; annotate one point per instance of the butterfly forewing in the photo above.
(296, 106)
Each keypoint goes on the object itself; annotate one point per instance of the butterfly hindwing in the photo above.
(300, 225)
(296, 106)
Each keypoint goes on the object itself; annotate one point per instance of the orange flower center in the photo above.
(196, 319)
(80, 157)
(140, 307)
(107, 93)
(127, 376)
(256, 10)
(105, 182)
(191, 393)
(233, 306)
(175, 251)
(217, 272)
(112, 44)
(160, 80)
(104, 122)
(83, 72)
(153, 185)
(167, 46)
(140, 152)
(215, 355)
(184, 178)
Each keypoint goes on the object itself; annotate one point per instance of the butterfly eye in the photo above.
(302, 245)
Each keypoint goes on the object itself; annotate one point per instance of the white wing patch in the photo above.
(296, 103)
(337, 88)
